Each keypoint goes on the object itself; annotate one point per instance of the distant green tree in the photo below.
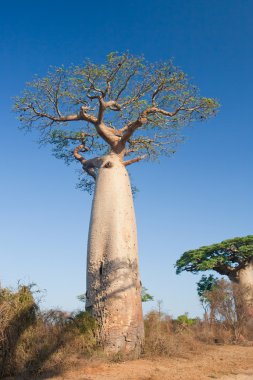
(204, 286)
(232, 257)
(145, 296)
(184, 320)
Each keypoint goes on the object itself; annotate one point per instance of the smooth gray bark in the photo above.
(113, 283)
(245, 277)
(244, 293)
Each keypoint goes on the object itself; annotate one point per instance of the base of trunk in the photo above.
(117, 308)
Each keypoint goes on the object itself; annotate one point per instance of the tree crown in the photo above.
(226, 257)
(206, 284)
(126, 105)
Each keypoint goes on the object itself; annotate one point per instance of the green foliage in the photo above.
(145, 296)
(82, 297)
(20, 303)
(226, 257)
(84, 322)
(204, 285)
(132, 85)
(185, 321)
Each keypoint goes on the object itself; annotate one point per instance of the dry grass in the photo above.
(167, 338)
(35, 343)
(32, 341)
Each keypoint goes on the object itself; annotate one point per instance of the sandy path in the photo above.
(223, 363)
(238, 377)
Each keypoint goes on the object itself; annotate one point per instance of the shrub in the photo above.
(163, 338)
(17, 312)
(184, 321)
(225, 301)
(34, 341)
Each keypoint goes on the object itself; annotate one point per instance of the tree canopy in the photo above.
(125, 105)
(205, 285)
(226, 257)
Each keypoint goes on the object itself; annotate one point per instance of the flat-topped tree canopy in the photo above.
(127, 106)
(227, 258)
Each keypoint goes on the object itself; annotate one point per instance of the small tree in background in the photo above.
(233, 258)
(225, 300)
(106, 117)
(145, 296)
(184, 321)
(204, 286)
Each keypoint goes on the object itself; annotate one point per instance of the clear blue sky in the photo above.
(203, 195)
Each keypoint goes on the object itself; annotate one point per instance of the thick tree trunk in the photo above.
(113, 283)
(246, 285)
(244, 290)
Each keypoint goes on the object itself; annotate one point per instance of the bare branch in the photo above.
(78, 156)
(110, 135)
(133, 160)
(113, 75)
(101, 111)
(82, 115)
(125, 84)
(92, 85)
(57, 98)
(130, 128)
(156, 92)
(88, 165)
(113, 105)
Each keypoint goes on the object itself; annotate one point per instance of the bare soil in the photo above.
(214, 362)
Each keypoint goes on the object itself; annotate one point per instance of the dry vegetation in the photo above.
(32, 341)
(35, 343)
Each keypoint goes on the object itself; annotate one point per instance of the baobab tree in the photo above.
(232, 258)
(107, 117)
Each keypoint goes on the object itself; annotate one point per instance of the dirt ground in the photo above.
(216, 362)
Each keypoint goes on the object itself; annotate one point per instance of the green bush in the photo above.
(184, 320)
